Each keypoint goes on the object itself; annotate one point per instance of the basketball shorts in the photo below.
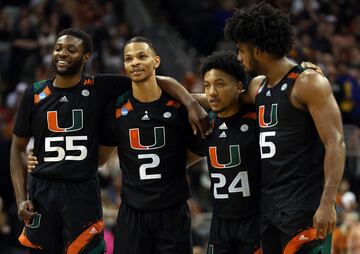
(167, 231)
(292, 233)
(234, 236)
(68, 218)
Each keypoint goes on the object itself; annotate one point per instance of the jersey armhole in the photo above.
(263, 82)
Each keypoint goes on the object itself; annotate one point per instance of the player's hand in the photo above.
(198, 119)
(26, 210)
(309, 65)
(324, 221)
(31, 162)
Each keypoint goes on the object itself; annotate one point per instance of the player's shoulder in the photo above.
(254, 86)
(38, 86)
(311, 85)
(311, 81)
(40, 90)
(256, 82)
(122, 99)
(309, 75)
(170, 101)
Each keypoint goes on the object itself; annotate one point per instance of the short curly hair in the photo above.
(80, 34)
(225, 61)
(261, 26)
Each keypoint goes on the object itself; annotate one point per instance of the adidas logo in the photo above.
(223, 127)
(93, 231)
(223, 135)
(268, 93)
(145, 117)
(303, 238)
(63, 99)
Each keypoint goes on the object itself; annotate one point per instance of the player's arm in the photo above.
(19, 177)
(314, 90)
(192, 158)
(197, 115)
(201, 98)
(105, 154)
(253, 88)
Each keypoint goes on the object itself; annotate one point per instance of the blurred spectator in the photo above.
(5, 35)
(24, 52)
(341, 234)
(353, 241)
(346, 198)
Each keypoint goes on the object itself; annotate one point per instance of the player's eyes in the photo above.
(127, 59)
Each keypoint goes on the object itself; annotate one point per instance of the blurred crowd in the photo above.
(327, 34)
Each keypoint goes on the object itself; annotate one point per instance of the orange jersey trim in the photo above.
(26, 242)
(293, 75)
(37, 96)
(89, 82)
(118, 112)
(250, 115)
(297, 241)
(85, 237)
(172, 103)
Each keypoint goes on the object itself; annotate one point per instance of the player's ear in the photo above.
(257, 52)
(86, 57)
(157, 61)
(238, 87)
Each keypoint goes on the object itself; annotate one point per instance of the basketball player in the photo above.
(301, 135)
(233, 158)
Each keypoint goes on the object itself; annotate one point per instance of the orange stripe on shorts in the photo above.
(296, 242)
(26, 242)
(85, 237)
(258, 251)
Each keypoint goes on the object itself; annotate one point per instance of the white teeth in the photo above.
(62, 62)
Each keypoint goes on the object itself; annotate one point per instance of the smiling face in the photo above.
(246, 56)
(222, 92)
(68, 58)
(140, 61)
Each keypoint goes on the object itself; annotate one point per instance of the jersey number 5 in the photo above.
(270, 148)
(69, 145)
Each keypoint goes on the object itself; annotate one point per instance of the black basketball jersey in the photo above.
(64, 123)
(291, 151)
(234, 164)
(151, 140)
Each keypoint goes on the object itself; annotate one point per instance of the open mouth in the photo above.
(62, 63)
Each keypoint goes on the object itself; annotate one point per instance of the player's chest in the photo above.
(148, 128)
(274, 109)
(228, 144)
(67, 111)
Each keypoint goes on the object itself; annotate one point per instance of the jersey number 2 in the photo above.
(153, 164)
